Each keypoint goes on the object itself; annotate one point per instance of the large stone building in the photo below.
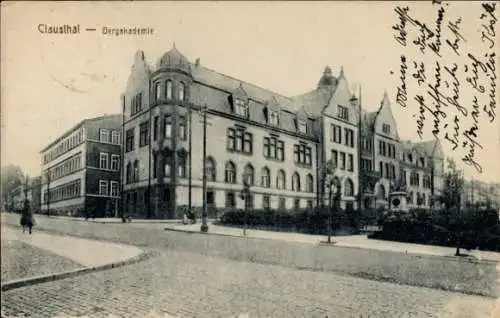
(81, 169)
(282, 143)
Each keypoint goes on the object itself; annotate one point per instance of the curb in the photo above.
(23, 282)
(335, 244)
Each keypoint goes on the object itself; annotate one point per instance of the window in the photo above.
(403, 177)
(381, 168)
(410, 197)
(393, 171)
(230, 200)
(182, 128)
(155, 127)
(336, 133)
(181, 169)
(296, 204)
(266, 177)
(295, 182)
(144, 134)
(309, 183)
(136, 104)
(168, 90)
(136, 171)
(115, 162)
(274, 148)
(310, 205)
(239, 140)
(302, 154)
(414, 178)
(343, 113)
(103, 187)
(103, 160)
(281, 180)
(350, 163)
(386, 129)
(349, 188)
(210, 169)
(115, 137)
(168, 127)
(248, 173)
(182, 88)
(249, 202)
(230, 176)
(157, 91)
(349, 137)
(302, 126)
(167, 169)
(335, 158)
(366, 164)
(129, 177)
(282, 204)
(273, 118)
(342, 160)
(104, 135)
(129, 146)
(266, 202)
(381, 192)
(114, 189)
(240, 108)
(387, 170)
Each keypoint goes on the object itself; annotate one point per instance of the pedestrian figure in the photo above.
(27, 220)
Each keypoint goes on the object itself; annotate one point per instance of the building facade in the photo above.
(81, 170)
(282, 144)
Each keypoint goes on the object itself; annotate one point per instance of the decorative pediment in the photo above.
(273, 104)
(385, 118)
(240, 93)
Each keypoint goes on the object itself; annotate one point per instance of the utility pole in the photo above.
(204, 225)
(48, 191)
(360, 177)
(190, 158)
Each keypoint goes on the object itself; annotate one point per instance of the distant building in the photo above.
(283, 143)
(81, 169)
(35, 189)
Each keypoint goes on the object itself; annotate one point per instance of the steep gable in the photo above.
(138, 82)
(386, 117)
(342, 97)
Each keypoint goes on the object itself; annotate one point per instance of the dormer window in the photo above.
(343, 112)
(182, 88)
(168, 90)
(386, 129)
(273, 118)
(240, 108)
(302, 126)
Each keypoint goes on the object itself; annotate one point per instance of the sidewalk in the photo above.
(109, 220)
(353, 241)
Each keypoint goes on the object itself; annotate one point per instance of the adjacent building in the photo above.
(81, 170)
(282, 144)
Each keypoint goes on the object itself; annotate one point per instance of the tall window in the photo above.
(210, 169)
(115, 162)
(182, 88)
(350, 163)
(295, 182)
(230, 200)
(168, 90)
(349, 137)
(386, 129)
(129, 146)
(302, 125)
(104, 135)
(144, 134)
(240, 108)
(336, 133)
(335, 158)
(114, 189)
(129, 175)
(155, 127)
(103, 160)
(381, 192)
(309, 183)
(349, 188)
(182, 128)
(103, 187)
(181, 169)
(136, 104)
(342, 160)
(248, 173)
(274, 148)
(266, 177)
(136, 171)
(115, 137)
(302, 154)
(266, 204)
(281, 180)
(230, 173)
(157, 91)
(343, 113)
(239, 140)
(168, 127)
(167, 169)
(273, 118)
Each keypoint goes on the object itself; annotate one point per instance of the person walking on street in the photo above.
(27, 220)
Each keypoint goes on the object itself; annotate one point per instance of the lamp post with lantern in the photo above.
(204, 224)
(333, 186)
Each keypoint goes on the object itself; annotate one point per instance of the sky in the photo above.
(282, 46)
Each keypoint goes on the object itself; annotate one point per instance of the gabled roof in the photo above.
(431, 148)
(315, 101)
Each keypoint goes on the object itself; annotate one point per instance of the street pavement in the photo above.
(193, 275)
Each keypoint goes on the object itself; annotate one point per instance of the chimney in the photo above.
(197, 63)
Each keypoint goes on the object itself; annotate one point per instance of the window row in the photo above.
(343, 164)
(109, 188)
(302, 154)
(109, 136)
(348, 187)
(136, 104)
(418, 198)
(366, 144)
(420, 162)
(63, 192)
(387, 170)
(274, 148)
(65, 168)
(239, 140)
(165, 91)
(386, 149)
(336, 135)
(106, 163)
(366, 164)
(69, 143)
(266, 202)
(167, 168)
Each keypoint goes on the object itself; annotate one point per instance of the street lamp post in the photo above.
(245, 195)
(330, 182)
(204, 225)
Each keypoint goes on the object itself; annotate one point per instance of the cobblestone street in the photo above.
(188, 285)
